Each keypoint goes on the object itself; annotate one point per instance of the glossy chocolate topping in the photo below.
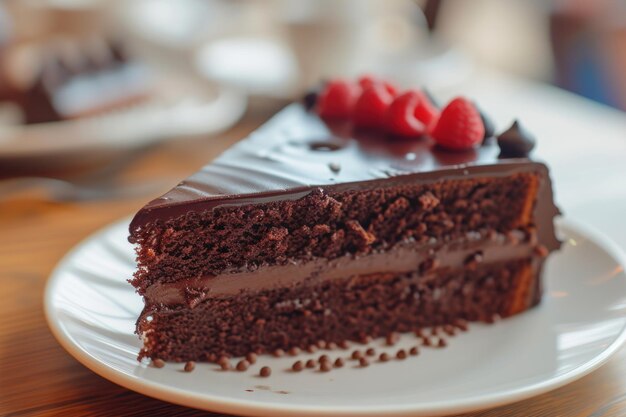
(296, 152)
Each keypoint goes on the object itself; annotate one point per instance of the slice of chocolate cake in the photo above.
(311, 230)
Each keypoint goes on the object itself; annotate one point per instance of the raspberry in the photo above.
(401, 118)
(426, 112)
(337, 99)
(367, 81)
(460, 126)
(371, 107)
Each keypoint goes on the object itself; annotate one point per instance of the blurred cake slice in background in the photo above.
(65, 78)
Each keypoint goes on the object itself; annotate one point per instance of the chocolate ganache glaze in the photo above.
(296, 152)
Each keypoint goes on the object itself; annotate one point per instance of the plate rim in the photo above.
(215, 403)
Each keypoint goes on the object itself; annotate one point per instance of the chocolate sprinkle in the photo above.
(461, 325)
(392, 339)
(265, 371)
(449, 329)
(310, 363)
(515, 142)
(297, 366)
(158, 363)
(190, 366)
(243, 365)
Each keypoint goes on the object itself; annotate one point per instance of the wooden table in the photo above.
(38, 378)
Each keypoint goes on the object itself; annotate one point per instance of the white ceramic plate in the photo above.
(580, 324)
(175, 108)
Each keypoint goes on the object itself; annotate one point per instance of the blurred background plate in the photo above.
(177, 109)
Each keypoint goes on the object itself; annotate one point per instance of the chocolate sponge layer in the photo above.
(330, 224)
(349, 309)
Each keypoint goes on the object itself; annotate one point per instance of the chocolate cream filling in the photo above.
(403, 258)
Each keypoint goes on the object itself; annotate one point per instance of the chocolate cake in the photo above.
(313, 230)
(67, 78)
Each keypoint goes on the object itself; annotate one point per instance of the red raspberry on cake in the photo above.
(368, 80)
(426, 112)
(460, 126)
(370, 109)
(401, 118)
(337, 99)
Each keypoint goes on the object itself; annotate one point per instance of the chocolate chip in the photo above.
(331, 345)
(401, 354)
(434, 331)
(190, 366)
(158, 363)
(442, 342)
(294, 351)
(426, 341)
(310, 363)
(251, 357)
(325, 366)
(414, 351)
(344, 344)
(321, 344)
(339, 363)
(243, 365)
(370, 352)
(297, 366)
(357, 354)
(366, 339)
(311, 349)
(461, 324)
(265, 371)
(323, 358)
(449, 329)
(419, 333)
(364, 362)
(384, 357)
(515, 142)
(279, 353)
(392, 339)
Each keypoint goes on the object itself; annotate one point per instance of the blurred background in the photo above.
(89, 86)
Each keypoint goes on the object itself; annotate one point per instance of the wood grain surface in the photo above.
(38, 378)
